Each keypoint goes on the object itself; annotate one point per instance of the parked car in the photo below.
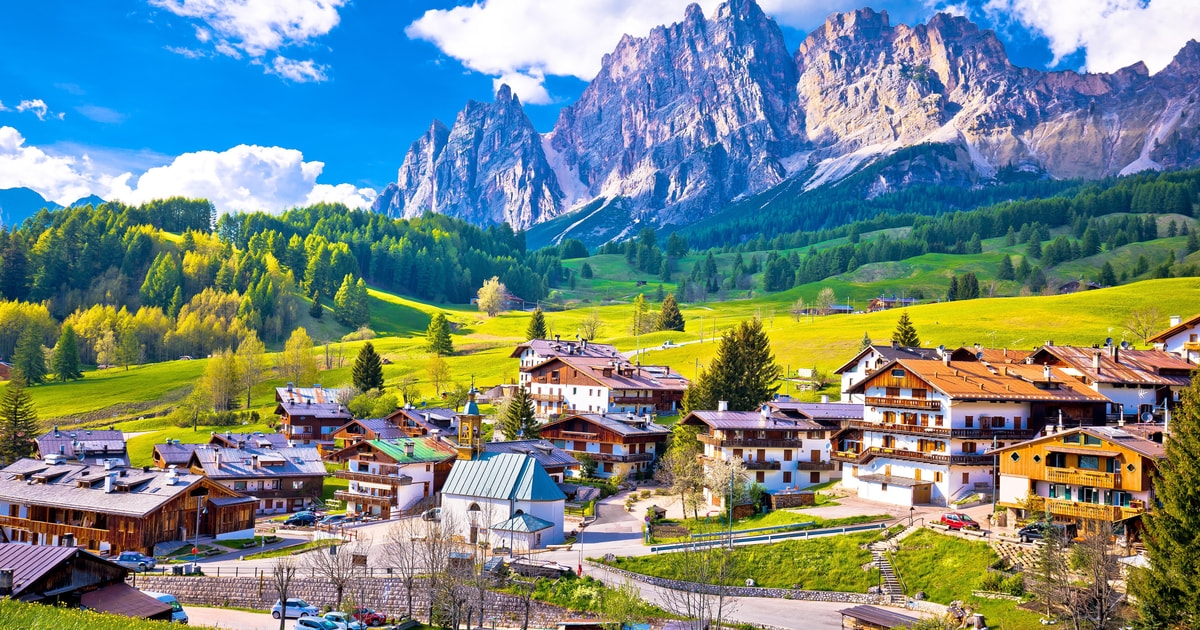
(177, 613)
(1039, 531)
(315, 623)
(135, 560)
(344, 621)
(301, 519)
(333, 519)
(958, 520)
(432, 514)
(369, 617)
(295, 608)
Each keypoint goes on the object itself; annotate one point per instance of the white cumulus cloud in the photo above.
(245, 178)
(37, 107)
(260, 28)
(1114, 33)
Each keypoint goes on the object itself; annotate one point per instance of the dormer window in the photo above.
(899, 373)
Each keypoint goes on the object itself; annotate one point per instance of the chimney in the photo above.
(409, 448)
(254, 461)
(1046, 372)
(1096, 362)
(1116, 353)
(946, 359)
(6, 582)
(108, 464)
(895, 345)
(290, 386)
(556, 338)
(217, 458)
(824, 398)
(108, 483)
(722, 405)
(1176, 320)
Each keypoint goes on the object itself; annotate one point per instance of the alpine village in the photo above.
(773, 321)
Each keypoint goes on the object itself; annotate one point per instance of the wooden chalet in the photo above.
(111, 509)
(89, 446)
(310, 415)
(69, 576)
(279, 479)
(620, 444)
(393, 475)
(361, 429)
(419, 421)
(179, 454)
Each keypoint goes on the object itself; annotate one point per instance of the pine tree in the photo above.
(343, 302)
(969, 288)
(1166, 596)
(316, 310)
(865, 343)
(437, 336)
(906, 333)
(952, 292)
(1107, 277)
(1193, 243)
(669, 317)
(519, 421)
(29, 360)
(1023, 269)
(66, 356)
(586, 271)
(1005, 271)
(743, 374)
(1034, 249)
(1037, 280)
(664, 271)
(368, 369)
(18, 423)
(537, 326)
(176, 302)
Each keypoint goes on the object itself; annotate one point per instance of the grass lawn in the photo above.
(14, 615)
(577, 593)
(290, 549)
(777, 518)
(831, 563)
(948, 568)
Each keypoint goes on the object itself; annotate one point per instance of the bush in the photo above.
(1014, 585)
(362, 334)
(991, 582)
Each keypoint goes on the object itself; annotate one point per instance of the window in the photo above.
(898, 373)
(920, 393)
(787, 476)
(970, 422)
(937, 476)
(892, 391)
(937, 420)
(1056, 460)
(1053, 493)
(787, 457)
(1071, 439)
(1015, 457)
(814, 477)
(968, 447)
(1037, 459)
(297, 485)
(883, 486)
(1089, 462)
(760, 477)
(997, 422)
(239, 485)
(1089, 495)
(1090, 440)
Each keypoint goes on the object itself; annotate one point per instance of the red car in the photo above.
(369, 617)
(958, 520)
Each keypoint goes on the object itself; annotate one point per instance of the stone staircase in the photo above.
(893, 592)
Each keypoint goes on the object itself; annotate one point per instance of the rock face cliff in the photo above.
(681, 122)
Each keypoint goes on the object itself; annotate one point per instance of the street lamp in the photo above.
(912, 510)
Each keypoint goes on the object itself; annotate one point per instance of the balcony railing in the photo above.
(634, 400)
(58, 529)
(1191, 345)
(711, 440)
(365, 499)
(390, 480)
(546, 380)
(971, 459)
(905, 403)
(1089, 511)
(547, 397)
(763, 464)
(901, 428)
(1076, 477)
(617, 457)
(815, 466)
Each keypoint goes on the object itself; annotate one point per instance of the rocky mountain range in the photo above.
(680, 123)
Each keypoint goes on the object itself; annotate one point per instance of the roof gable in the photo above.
(506, 476)
(1174, 330)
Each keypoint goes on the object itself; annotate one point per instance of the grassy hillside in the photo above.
(22, 616)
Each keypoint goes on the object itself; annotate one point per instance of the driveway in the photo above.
(232, 619)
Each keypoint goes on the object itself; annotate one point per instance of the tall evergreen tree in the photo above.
(28, 359)
(14, 279)
(969, 287)
(65, 361)
(315, 311)
(906, 333)
(437, 336)
(1108, 278)
(743, 374)
(865, 343)
(519, 421)
(1005, 271)
(537, 326)
(18, 423)
(1166, 589)
(669, 317)
(368, 369)
(952, 292)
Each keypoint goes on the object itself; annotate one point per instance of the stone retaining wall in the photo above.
(747, 591)
(386, 595)
(792, 499)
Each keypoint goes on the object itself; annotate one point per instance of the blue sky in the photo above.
(300, 100)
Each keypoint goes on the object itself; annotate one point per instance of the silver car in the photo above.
(295, 608)
(135, 560)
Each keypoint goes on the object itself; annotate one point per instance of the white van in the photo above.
(177, 613)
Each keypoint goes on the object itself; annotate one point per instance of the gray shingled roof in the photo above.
(547, 454)
(30, 562)
(91, 445)
(618, 423)
(147, 490)
(382, 427)
(821, 411)
(175, 454)
(753, 420)
(257, 439)
(502, 476)
(239, 463)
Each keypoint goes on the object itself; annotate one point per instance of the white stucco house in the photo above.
(504, 499)
(1181, 339)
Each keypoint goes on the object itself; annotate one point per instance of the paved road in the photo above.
(232, 619)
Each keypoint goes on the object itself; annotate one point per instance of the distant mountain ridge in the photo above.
(681, 123)
(18, 204)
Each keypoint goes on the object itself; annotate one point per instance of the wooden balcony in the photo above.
(711, 440)
(549, 398)
(763, 464)
(900, 428)
(815, 466)
(970, 459)
(1191, 345)
(634, 400)
(617, 457)
(388, 480)
(1088, 511)
(904, 403)
(1077, 477)
(58, 529)
(364, 499)
(546, 380)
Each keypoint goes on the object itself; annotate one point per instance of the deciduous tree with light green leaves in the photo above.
(491, 296)
(437, 336)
